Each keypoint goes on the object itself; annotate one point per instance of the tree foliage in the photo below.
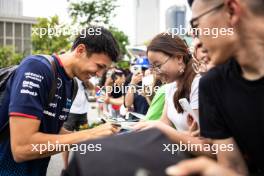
(121, 38)
(94, 12)
(50, 36)
(8, 57)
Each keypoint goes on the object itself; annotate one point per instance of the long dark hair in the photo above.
(174, 46)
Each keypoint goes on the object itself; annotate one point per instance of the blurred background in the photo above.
(133, 23)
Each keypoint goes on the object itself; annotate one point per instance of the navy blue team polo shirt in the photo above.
(27, 97)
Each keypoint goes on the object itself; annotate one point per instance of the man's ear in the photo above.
(80, 50)
(234, 8)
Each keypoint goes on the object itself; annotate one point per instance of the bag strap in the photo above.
(74, 88)
(85, 91)
(54, 80)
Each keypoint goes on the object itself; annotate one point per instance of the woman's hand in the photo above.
(149, 124)
(194, 129)
(136, 78)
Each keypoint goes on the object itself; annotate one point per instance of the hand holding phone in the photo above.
(136, 69)
(187, 108)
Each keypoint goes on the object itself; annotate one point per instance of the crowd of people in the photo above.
(222, 80)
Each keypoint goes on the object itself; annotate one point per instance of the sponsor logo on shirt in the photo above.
(62, 117)
(49, 113)
(26, 91)
(33, 76)
(66, 110)
(57, 96)
(53, 105)
(30, 84)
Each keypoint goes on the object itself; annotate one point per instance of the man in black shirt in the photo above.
(232, 107)
(232, 95)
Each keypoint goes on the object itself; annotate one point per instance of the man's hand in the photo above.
(202, 166)
(103, 130)
(232, 158)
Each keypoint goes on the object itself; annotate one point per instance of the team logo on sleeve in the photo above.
(59, 83)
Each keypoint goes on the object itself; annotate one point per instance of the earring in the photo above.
(181, 70)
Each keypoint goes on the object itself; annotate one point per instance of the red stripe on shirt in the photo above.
(22, 115)
(59, 60)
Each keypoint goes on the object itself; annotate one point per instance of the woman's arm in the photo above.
(115, 101)
(129, 97)
(164, 117)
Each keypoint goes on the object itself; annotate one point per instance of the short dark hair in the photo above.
(190, 2)
(97, 39)
(256, 6)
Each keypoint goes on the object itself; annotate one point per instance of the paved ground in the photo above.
(56, 163)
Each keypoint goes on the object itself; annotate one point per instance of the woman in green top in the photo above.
(157, 105)
(155, 96)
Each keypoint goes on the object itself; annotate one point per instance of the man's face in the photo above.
(86, 66)
(220, 47)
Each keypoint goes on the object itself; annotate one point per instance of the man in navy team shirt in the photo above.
(32, 122)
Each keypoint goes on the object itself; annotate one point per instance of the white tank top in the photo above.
(180, 119)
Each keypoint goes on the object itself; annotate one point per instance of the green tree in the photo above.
(8, 57)
(121, 38)
(50, 36)
(92, 12)
(123, 64)
(96, 12)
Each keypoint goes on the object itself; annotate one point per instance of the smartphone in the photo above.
(121, 125)
(136, 69)
(187, 108)
(148, 80)
(109, 73)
